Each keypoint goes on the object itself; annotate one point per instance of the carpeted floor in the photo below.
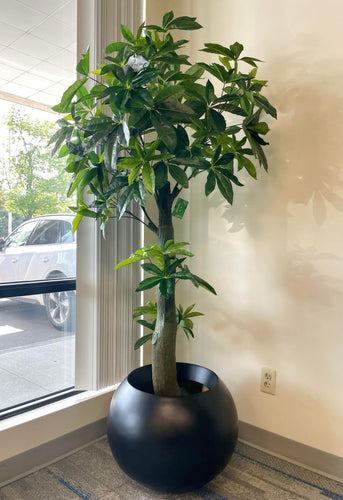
(92, 474)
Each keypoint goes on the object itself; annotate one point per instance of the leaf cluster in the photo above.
(153, 118)
(183, 317)
(166, 265)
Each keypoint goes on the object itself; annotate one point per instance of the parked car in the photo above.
(43, 248)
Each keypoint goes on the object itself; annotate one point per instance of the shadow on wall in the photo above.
(306, 152)
(307, 147)
(304, 280)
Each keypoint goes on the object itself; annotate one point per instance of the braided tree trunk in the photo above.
(163, 350)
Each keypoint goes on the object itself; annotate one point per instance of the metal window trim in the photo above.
(22, 288)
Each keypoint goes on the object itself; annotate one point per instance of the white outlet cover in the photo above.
(268, 380)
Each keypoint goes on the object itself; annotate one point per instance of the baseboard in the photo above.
(32, 460)
(298, 453)
(301, 454)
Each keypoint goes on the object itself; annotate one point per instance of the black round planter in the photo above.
(173, 444)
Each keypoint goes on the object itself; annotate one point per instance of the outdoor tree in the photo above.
(33, 183)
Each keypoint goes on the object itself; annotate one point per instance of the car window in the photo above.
(47, 233)
(67, 235)
(20, 236)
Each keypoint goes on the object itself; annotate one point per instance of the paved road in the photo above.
(35, 358)
(23, 325)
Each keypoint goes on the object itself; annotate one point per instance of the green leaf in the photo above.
(68, 95)
(85, 212)
(167, 287)
(225, 187)
(133, 174)
(217, 121)
(227, 172)
(196, 162)
(251, 60)
(260, 128)
(161, 175)
(165, 131)
(151, 268)
(141, 341)
(168, 16)
(179, 175)
(210, 183)
(184, 23)
(265, 104)
(199, 281)
(225, 159)
(130, 260)
(129, 162)
(83, 65)
(76, 221)
(167, 92)
(115, 47)
(124, 200)
(216, 48)
(145, 77)
(127, 34)
(139, 193)
(148, 283)
(148, 177)
(176, 111)
(236, 49)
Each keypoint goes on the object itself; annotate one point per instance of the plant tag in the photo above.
(180, 208)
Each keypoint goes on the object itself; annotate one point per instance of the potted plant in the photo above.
(149, 124)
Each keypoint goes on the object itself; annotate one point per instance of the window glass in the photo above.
(20, 236)
(46, 233)
(67, 235)
(37, 332)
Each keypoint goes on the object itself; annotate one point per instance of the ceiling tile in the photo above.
(9, 33)
(19, 90)
(67, 13)
(51, 71)
(46, 6)
(18, 59)
(19, 15)
(8, 72)
(33, 81)
(37, 48)
(45, 98)
(56, 32)
(57, 89)
(29, 44)
(64, 58)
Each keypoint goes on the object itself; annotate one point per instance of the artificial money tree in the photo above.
(150, 123)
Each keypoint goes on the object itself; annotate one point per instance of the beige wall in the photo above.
(276, 258)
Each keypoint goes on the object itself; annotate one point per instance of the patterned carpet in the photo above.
(92, 474)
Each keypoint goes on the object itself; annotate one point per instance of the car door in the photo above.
(15, 255)
(44, 245)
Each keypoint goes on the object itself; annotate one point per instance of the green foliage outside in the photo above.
(150, 124)
(32, 182)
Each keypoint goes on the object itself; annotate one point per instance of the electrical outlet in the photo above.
(268, 380)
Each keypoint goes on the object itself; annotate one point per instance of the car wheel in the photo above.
(60, 309)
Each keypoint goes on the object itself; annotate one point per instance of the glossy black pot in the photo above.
(173, 444)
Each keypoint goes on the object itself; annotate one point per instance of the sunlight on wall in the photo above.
(276, 258)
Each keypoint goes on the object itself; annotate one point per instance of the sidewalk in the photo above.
(35, 358)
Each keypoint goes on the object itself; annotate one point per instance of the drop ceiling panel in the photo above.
(45, 6)
(8, 33)
(37, 48)
(20, 15)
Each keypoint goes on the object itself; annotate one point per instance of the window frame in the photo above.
(73, 420)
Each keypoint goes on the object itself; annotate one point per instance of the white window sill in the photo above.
(34, 428)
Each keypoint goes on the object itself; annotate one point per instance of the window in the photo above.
(37, 330)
